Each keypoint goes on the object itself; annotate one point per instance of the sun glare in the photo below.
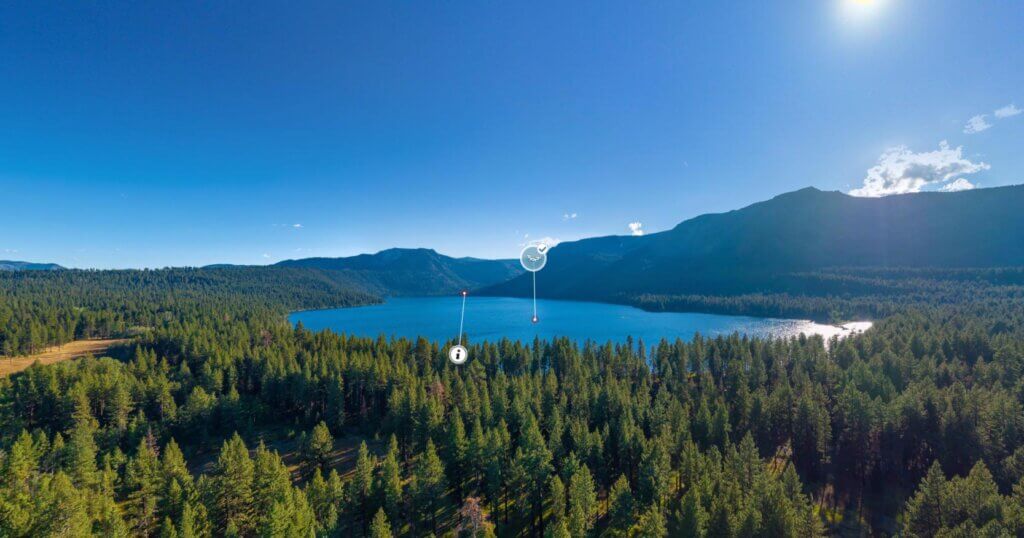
(861, 9)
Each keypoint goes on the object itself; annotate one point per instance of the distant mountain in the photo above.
(750, 249)
(9, 265)
(401, 271)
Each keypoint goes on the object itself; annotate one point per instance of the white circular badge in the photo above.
(534, 257)
(458, 354)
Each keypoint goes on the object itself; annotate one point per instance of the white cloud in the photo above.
(980, 122)
(546, 240)
(976, 124)
(549, 241)
(636, 228)
(296, 225)
(1008, 111)
(960, 184)
(569, 216)
(900, 170)
(266, 255)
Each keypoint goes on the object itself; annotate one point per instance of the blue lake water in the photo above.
(494, 318)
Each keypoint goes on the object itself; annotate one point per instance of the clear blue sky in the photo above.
(185, 133)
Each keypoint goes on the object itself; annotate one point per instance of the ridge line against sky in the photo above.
(191, 134)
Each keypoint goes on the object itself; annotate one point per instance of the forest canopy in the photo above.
(220, 418)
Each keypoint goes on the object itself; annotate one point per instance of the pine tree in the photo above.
(336, 403)
(974, 498)
(620, 513)
(534, 459)
(193, 522)
(389, 483)
(559, 530)
(319, 446)
(167, 529)
(692, 517)
(750, 524)
(556, 499)
(582, 502)
(477, 454)
(650, 525)
(720, 426)
(497, 468)
(289, 515)
(811, 433)
(60, 508)
(322, 502)
(233, 487)
(271, 488)
(178, 486)
(144, 482)
(457, 449)
(19, 465)
(360, 492)
(107, 518)
(719, 525)
(81, 450)
(380, 527)
(429, 484)
(778, 517)
(338, 493)
(655, 473)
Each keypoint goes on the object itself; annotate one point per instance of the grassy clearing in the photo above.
(71, 350)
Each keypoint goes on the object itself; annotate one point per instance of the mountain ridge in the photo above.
(746, 249)
(414, 271)
(14, 265)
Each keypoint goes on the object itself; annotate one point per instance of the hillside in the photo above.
(400, 271)
(754, 249)
(10, 265)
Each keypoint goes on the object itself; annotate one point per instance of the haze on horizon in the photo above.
(190, 134)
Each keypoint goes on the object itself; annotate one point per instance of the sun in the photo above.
(861, 9)
(863, 5)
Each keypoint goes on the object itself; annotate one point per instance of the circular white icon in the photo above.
(458, 354)
(534, 257)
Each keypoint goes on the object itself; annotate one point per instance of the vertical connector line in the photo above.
(462, 317)
(534, 273)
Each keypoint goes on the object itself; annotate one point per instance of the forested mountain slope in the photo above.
(11, 265)
(753, 249)
(400, 271)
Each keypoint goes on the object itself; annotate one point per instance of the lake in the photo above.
(493, 318)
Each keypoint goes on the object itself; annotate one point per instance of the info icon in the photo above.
(458, 354)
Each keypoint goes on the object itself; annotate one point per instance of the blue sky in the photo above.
(187, 133)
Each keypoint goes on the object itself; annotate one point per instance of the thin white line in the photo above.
(462, 317)
(534, 294)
